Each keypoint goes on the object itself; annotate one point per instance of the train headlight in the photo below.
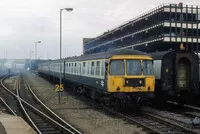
(140, 82)
(166, 70)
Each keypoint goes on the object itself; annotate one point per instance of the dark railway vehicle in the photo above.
(118, 76)
(176, 74)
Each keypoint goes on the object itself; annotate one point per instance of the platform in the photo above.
(10, 124)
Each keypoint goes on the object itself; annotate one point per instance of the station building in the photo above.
(165, 27)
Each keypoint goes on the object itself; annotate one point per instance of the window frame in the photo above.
(98, 68)
(144, 68)
(92, 69)
(110, 67)
(141, 68)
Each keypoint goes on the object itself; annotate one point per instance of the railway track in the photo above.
(50, 112)
(185, 115)
(9, 99)
(148, 121)
(39, 120)
(179, 116)
(154, 123)
(189, 110)
(159, 125)
(5, 107)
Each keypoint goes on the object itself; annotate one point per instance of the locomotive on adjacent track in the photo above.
(177, 75)
(116, 76)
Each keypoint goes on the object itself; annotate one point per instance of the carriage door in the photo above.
(183, 74)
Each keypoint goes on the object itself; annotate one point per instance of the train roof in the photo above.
(160, 55)
(106, 55)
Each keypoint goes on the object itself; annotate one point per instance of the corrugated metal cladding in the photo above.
(162, 28)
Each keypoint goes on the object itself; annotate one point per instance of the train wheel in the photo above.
(123, 106)
(117, 105)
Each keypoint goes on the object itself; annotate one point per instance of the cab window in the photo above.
(148, 67)
(133, 67)
(117, 67)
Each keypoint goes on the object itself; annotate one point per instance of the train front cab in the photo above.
(131, 77)
(179, 75)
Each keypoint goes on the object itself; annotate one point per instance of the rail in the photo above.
(148, 121)
(26, 114)
(49, 110)
(23, 102)
(7, 106)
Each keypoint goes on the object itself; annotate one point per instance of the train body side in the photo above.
(83, 74)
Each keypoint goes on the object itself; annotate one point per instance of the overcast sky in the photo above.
(23, 22)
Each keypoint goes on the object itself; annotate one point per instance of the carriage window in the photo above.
(102, 68)
(88, 67)
(62, 68)
(133, 67)
(69, 68)
(57, 68)
(92, 68)
(66, 68)
(117, 67)
(83, 69)
(147, 67)
(97, 67)
(75, 67)
(72, 68)
(79, 68)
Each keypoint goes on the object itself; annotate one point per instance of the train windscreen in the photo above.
(147, 67)
(133, 67)
(117, 67)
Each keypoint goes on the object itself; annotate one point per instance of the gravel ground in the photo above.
(82, 116)
(2, 109)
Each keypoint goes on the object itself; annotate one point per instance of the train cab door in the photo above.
(116, 71)
(183, 74)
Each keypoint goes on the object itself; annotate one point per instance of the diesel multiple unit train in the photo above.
(177, 76)
(122, 77)
(129, 75)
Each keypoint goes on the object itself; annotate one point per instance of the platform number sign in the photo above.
(59, 89)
